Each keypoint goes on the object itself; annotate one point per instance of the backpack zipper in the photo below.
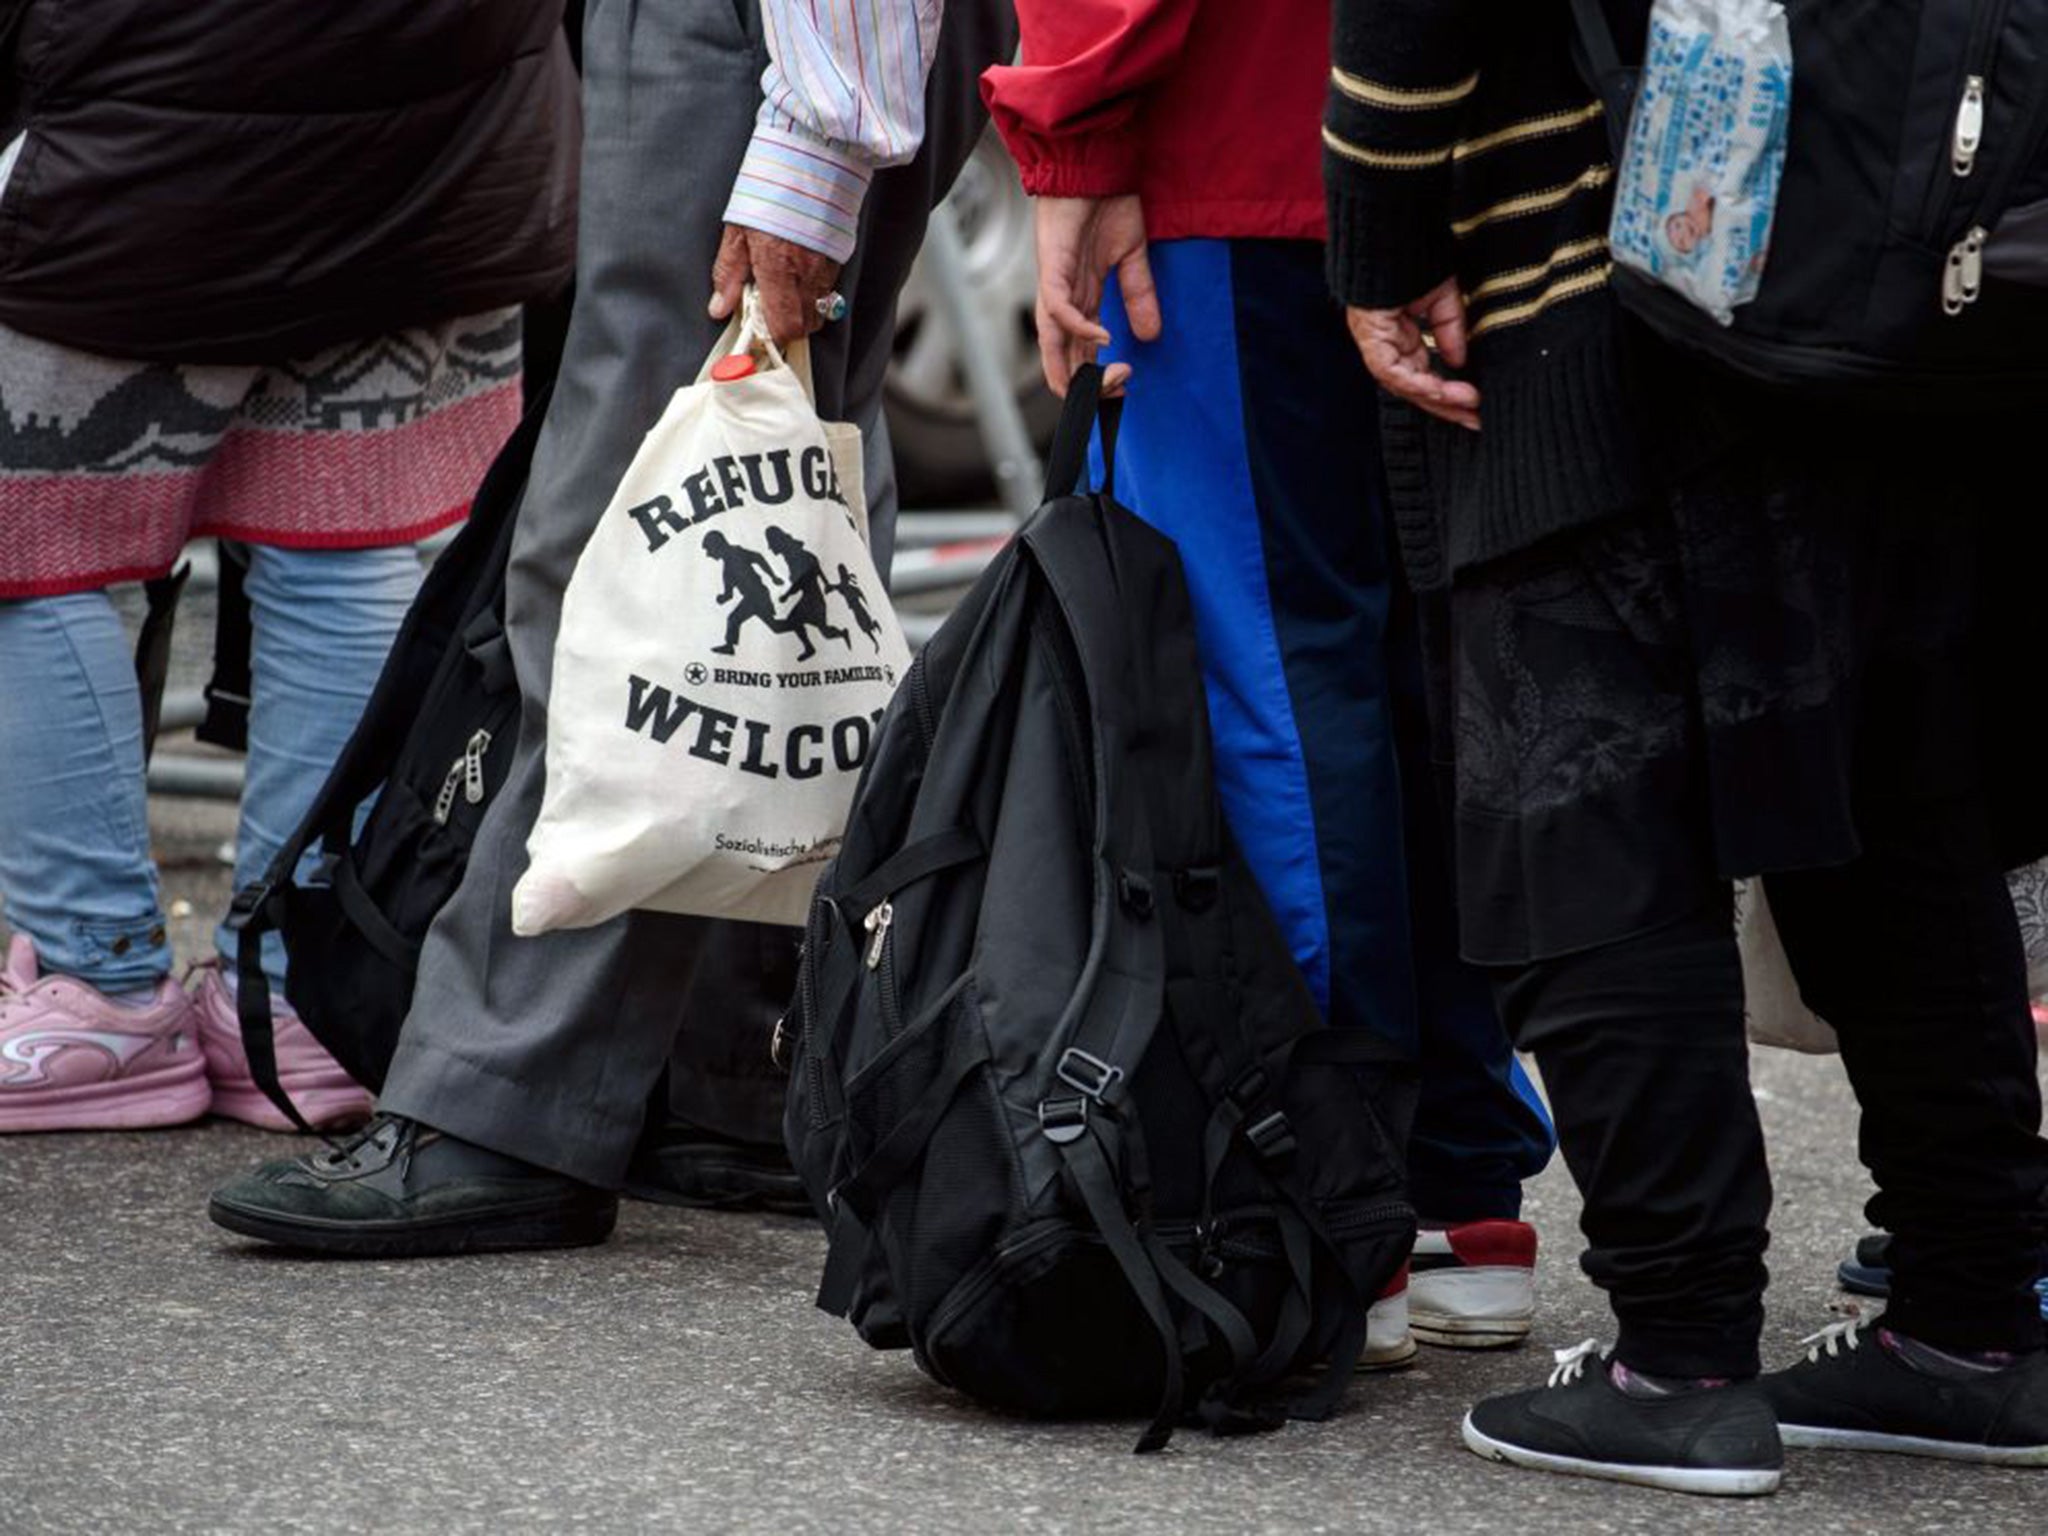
(880, 958)
(807, 1007)
(877, 924)
(1969, 130)
(921, 704)
(473, 767)
(1963, 273)
(465, 777)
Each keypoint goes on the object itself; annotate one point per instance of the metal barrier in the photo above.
(937, 551)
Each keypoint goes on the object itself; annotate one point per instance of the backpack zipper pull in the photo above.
(1969, 134)
(877, 924)
(473, 767)
(1962, 279)
(444, 802)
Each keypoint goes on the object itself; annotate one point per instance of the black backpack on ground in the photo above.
(1081, 1137)
(433, 746)
(1908, 261)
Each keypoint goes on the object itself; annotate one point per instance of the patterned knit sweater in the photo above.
(1461, 140)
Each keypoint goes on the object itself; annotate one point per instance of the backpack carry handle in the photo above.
(1084, 410)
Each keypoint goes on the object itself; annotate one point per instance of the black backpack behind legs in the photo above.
(433, 745)
(1081, 1137)
(1908, 260)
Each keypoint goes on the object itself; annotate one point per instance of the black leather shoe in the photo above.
(400, 1189)
(678, 1163)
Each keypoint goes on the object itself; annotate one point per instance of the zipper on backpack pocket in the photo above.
(919, 684)
(465, 777)
(807, 1007)
(1963, 273)
(1962, 276)
(1968, 136)
(1965, 124)
(877, 924)
(880, 960)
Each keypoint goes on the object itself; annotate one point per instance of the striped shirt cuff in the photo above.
(799, 187)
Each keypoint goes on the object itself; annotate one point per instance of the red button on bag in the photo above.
(737, 366)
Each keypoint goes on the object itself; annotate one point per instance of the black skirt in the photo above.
(1823, 613)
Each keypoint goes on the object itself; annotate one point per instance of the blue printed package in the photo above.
(1698, 187)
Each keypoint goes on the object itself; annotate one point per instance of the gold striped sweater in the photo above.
(1459, 140)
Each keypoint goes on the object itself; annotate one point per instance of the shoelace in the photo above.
(1571, 1363)
(1831, 1339)
(342, 1153)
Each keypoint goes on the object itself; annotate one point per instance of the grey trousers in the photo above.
(546, 1049)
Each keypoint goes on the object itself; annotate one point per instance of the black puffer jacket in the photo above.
(250, 180)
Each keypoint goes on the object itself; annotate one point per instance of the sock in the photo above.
(1641, 1384)
(1951, 1364)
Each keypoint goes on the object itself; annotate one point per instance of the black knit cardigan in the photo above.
(1460, 139)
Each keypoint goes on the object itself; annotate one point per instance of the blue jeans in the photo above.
(1250, 438)
(75, 869)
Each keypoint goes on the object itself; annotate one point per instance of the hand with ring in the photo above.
(796, 283)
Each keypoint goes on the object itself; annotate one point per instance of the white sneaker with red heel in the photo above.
(1473, 1285)
(1388, 1343)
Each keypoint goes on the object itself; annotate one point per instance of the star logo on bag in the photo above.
(696, 674)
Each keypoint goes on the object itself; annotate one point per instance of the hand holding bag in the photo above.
(726, 650)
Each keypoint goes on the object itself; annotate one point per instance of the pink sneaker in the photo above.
(327, 1096)
(72, 1059)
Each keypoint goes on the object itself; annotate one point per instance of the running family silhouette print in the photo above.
(848, 589)
(748, 574)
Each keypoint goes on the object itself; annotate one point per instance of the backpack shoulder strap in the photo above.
(365, 762)
(1611, 80)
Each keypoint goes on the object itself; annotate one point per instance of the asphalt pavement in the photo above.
(160, 1375)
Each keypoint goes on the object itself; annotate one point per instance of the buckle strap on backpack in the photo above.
(368, 917)
(845, 1257)
(914, 861)
(1207, 1301)
(253, 913)
(1089, 1172)
(863, 1189)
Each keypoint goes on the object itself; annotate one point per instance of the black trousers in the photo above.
(1919, 967)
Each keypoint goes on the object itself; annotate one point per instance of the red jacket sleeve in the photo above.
(1068, 108)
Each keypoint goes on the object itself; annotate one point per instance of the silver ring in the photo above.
(833, 306)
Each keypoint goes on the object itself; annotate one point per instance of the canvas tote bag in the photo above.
(1779, 1016)
(726, 651)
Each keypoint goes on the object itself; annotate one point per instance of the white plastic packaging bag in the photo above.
(1698, 186)
(726, 650)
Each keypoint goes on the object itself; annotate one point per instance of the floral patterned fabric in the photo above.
(1709, 689)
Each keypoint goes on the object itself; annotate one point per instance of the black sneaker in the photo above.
(400, 1189)
(1853, 1393)
(678, 1163)
(1714, 1440)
